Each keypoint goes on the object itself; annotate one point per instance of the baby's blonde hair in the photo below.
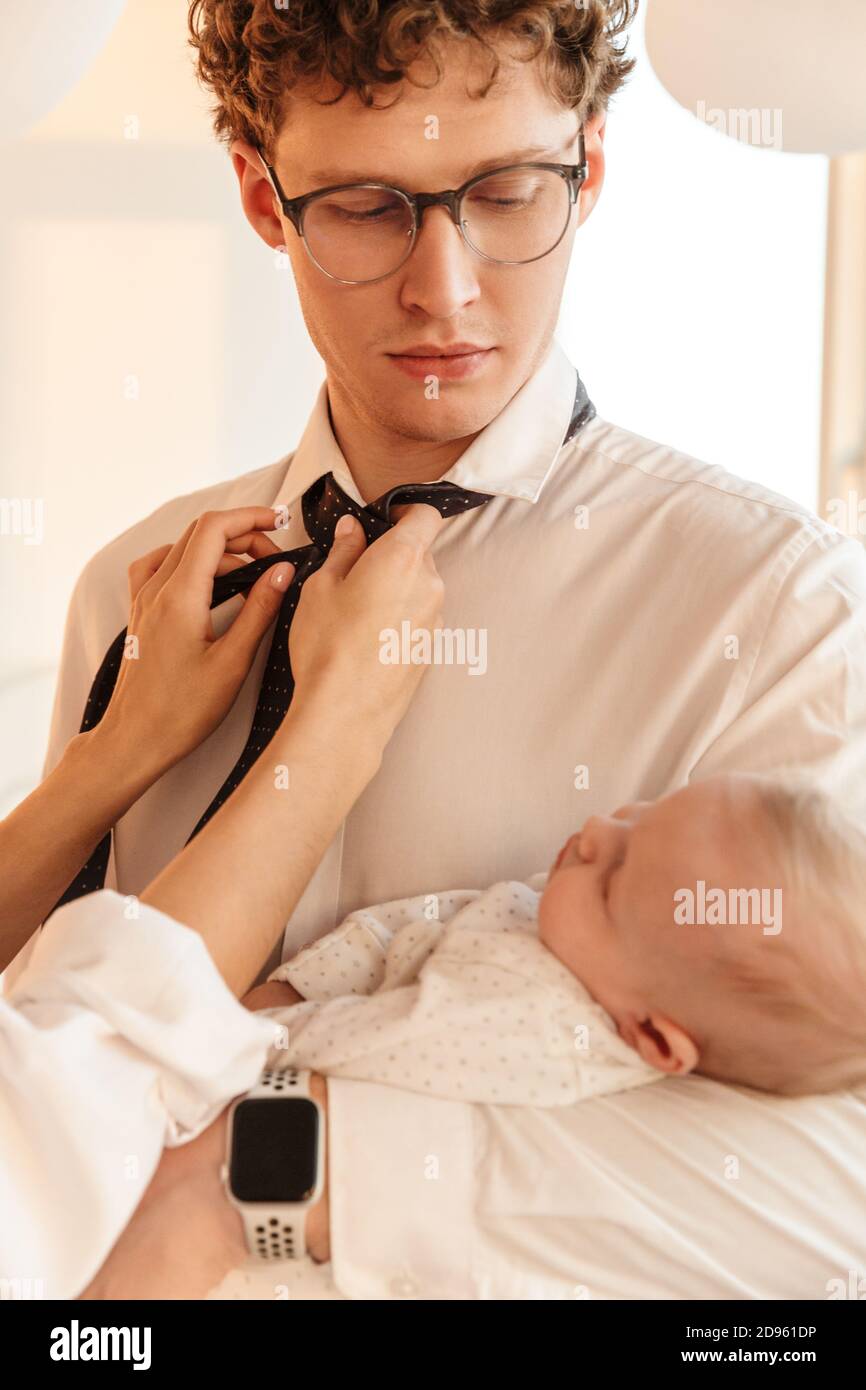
(809, 982)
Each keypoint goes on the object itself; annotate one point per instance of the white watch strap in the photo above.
(277, 1232)
(288, 1081)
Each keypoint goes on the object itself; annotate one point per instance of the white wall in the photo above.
(694, 306)
(148, 343)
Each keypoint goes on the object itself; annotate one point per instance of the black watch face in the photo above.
(275, 1144)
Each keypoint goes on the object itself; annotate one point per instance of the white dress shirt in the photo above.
(119, 1037)
(650, 620)
(454, 995)
(686, 1190)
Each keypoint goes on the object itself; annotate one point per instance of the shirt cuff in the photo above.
(153, 983)
(401, 1182)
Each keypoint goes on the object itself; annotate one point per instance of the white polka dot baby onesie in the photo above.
(453, 995)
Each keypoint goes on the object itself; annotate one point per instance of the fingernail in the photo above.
(345, 526)
(280, 575)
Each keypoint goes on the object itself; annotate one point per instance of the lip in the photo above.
(455, 361)
(439, 350)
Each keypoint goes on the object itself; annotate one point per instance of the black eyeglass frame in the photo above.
(575, 176)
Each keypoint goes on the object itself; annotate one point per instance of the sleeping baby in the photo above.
(717, 930)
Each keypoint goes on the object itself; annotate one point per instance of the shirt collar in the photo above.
(511, 457)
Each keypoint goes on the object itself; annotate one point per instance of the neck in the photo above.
(379, 460)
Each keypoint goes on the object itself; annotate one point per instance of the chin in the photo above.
(545, 916)
(563, 912)
(441, 420)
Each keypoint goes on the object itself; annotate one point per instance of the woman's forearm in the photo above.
(185, 1237)
(240, 879)
(46, 840)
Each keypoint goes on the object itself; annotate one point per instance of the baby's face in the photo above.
(607, 911)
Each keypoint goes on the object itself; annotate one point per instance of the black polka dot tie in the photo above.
(322, 506)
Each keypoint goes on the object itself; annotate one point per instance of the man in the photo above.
(648, 620)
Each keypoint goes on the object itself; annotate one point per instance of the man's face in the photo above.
(444, 293)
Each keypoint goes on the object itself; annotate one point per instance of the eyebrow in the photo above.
(325, 177)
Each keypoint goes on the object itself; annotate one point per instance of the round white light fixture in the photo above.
(47, 46)
(784, 74)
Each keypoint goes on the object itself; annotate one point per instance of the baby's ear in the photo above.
(663, 1045)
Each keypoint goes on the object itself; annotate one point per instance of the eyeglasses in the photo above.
(357, 233)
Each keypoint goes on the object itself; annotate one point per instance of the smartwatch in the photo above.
(275, 1162)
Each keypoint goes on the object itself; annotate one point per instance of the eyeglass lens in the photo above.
(363, 233)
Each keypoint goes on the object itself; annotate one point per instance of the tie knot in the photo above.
(325, 502)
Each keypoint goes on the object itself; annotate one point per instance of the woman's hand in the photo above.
(177, 681)
(253, 860)
(335, 643)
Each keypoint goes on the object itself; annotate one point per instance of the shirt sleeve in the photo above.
(350, 959)
(359, 956)
(120, 1036)
(663, 1192)
(402, 1193)
(803, 707)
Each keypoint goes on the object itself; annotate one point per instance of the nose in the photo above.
(602, 840)
(441, 275)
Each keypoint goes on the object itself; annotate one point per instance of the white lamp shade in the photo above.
(47, 46)
(785, 74)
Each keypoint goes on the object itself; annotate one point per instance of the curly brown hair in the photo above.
(251, 53)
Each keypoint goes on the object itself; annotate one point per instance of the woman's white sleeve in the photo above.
(119, 1037)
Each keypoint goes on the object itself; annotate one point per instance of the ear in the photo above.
(257, 195)
(593, 136)
(664, 1045)
(595, 127)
